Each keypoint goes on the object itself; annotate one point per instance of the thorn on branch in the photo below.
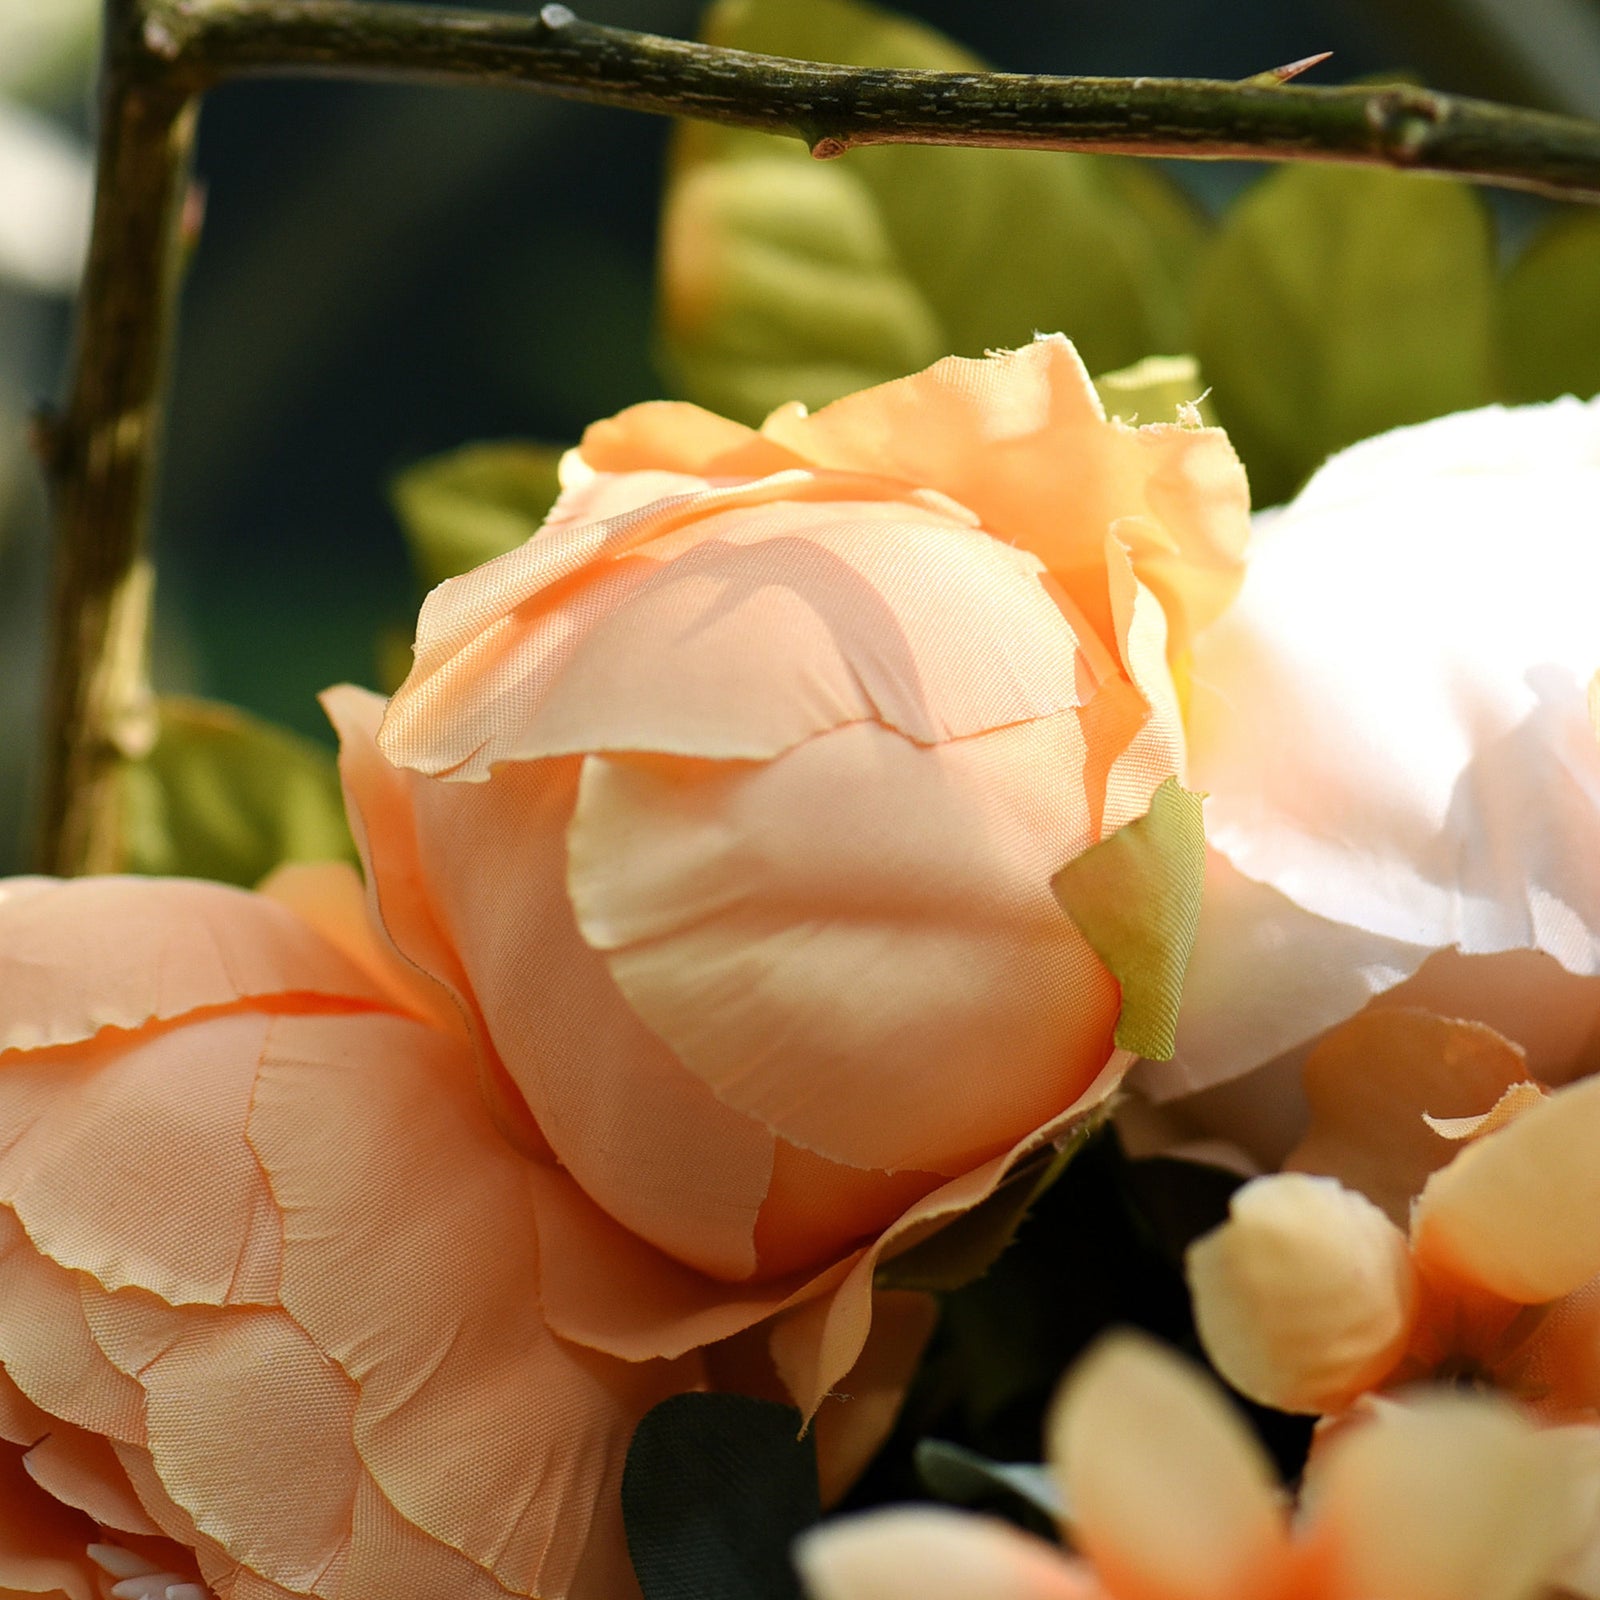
(1276, 75)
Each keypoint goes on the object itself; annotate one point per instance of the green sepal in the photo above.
(1550, 313)
(462, 509)
(716, 1488)
(225, 795)
(784, 278)
(1338, 302)
(1136, 898)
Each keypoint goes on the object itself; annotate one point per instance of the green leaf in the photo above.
(962, 1477)
(785, 278)
(462, 509)
(1136, 898)
(963, 1250)
(1157, 389)
(224, 795)
(715, 1490)
(1338, 302)
(1550, 313)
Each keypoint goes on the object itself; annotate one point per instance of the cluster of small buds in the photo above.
(137, 1579)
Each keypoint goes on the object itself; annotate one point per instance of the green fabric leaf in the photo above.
(1550, 313)
(963, 1250)
(784, 278)
(716, 1489)
(225, 795)
(952, 1473)
(1338, 302)
(1157, 389)
(462, 509)
(1136, 898)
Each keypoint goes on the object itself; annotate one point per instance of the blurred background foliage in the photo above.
(387, 274)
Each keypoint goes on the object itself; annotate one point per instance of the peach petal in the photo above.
(42, 1542)
(603, 1287)
(852, 1423)
(330, 897)
(1519, 1098)
(1453, 1498)
(937, 1555)
(670, 436)
(47, 1347)
(1372, 1082)
(1499, 1215)
(114, 1128)
(412, 1260)
(836, 613)
(82, 1470)
(1560, 1363)
(736, 927)
(989, 432)
(1170, 1496)
(649, 1142)
(159, 949)
(816, 1343)
(1306, 1296)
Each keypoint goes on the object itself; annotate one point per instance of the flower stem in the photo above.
(161, 55)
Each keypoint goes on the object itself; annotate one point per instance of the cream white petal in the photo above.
(1305, 1296)
(1392, 719)
(1454, 1498)
(1169, 1495)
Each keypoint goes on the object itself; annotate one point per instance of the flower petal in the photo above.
(42, 1542)
(1453, 1498)
(1169, 1495)
(780, 960)
(1430, 676)
(1305, 1296)
(989, 432)
(159, 949)
(1500, 1215)
(1373, 1083)
(937, 1555)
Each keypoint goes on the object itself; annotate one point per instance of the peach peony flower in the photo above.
(1444, 1222)
(270, 1277)
(1170, 1498)
(729, 806)
(1416, 628)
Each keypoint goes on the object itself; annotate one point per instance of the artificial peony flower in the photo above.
(1392, 725)
(1444, 1221)
(271, 1277)
(729, 807)
(1170, 1498)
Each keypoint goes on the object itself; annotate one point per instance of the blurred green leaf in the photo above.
(1550, 313)
(962, 1477)
(1156, 390)
(963, 1250)
(783, 278)
(1338, 302)
(224, 795)
(462, 509)
(715, 1490)
(1136, 898)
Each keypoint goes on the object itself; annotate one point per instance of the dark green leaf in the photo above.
(1550, 313)
(964, 1478)
(716, 1489)
(1136, 898)
(1338, 302)
(784, 278)
(465, 508)
(224, 795)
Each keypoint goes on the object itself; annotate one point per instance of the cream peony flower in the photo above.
(1454, 1498)
(1392, 724)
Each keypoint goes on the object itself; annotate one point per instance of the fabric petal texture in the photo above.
(1431, 674)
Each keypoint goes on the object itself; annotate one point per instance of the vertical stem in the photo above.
(101, 453)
